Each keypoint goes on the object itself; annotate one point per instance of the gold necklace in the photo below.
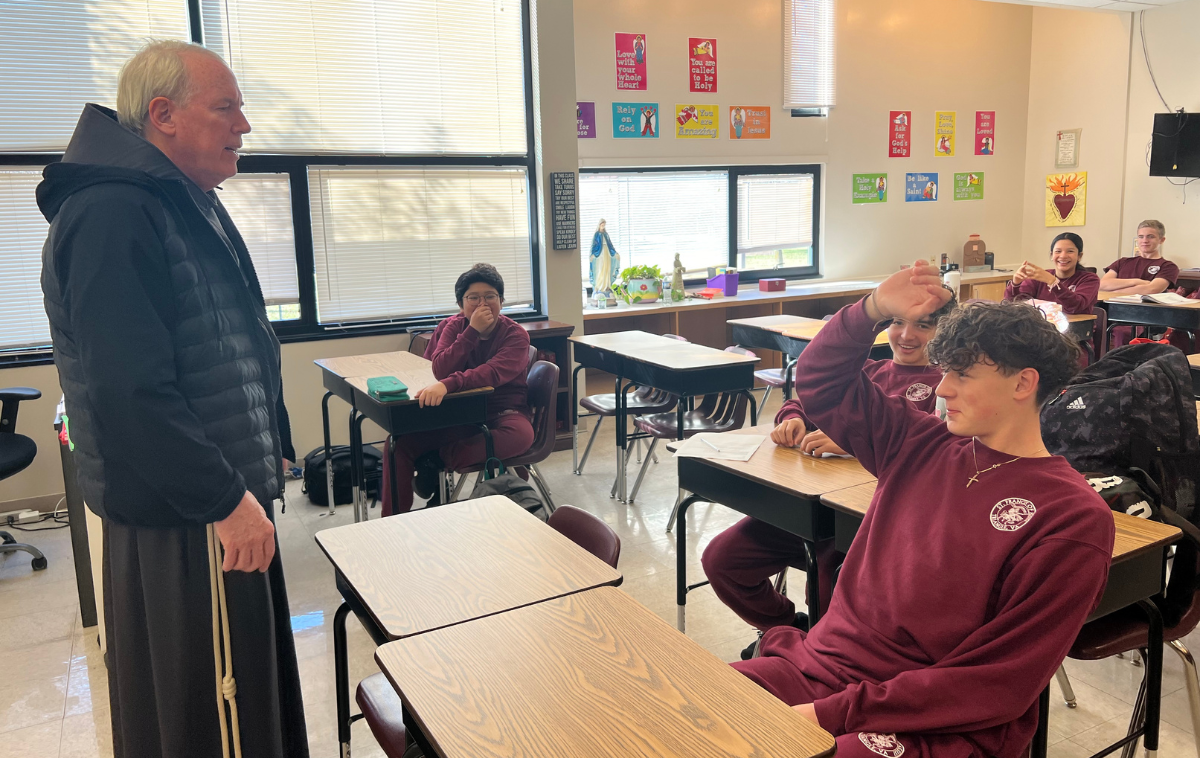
(979, 473)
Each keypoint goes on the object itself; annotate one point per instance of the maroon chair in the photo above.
(543, 388)
(532, 359)
(381, 706)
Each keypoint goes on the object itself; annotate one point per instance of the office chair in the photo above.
(16, 453)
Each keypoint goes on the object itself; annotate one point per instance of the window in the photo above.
(391, 242)
(775, 221)
(56, 55)
(762, 220)
(649, 217)
(23, 323)
(261, 207)
(808, 54)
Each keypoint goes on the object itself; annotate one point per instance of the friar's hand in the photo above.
(248, 537)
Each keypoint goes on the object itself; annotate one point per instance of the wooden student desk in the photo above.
(437, 567)
(779, 485)
(590, 675)
(346, 378)
(1137, 573)
(649, 360)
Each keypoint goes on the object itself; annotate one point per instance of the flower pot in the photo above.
(644, 290)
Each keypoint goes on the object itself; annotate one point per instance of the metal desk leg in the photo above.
(789, 366)
(360, 481)
(1154, 664)
(575, 419)
(620, 408)
(341, 678)
(753, 408)
(681, 585)
(1041, 736)
(328, 451)
(814, 584)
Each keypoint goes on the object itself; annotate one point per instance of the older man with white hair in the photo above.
(172, 379)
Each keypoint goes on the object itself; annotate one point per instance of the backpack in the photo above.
(314, 474)
(511, 486)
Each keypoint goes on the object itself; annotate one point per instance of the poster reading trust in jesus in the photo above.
(631, 61)
(702, 64)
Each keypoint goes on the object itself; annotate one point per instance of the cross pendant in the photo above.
(972, 480)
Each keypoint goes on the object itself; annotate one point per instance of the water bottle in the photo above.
(952, 278)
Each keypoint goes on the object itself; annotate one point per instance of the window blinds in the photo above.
(808, 53)
(390, 242)
(56, 55)
(388, 77)
(23, 321)
(651, 216)
(261, 207)
(774, 212)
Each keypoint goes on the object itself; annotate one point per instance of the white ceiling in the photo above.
(1096, 5)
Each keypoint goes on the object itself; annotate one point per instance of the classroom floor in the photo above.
(53, 688)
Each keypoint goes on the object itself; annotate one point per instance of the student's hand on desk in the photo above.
(431, 395)
(818, 443)
(808, 711)
(247, 536)
(910, 294)
(789, 432)
(482, 319)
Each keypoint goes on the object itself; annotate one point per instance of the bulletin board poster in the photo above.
(585, 120)
(985, 132)
(702, 64)
(899, 130)
(943, 133)
(1066, 199)
(635, 120)
(968, 186)
(920, 188)
(697, 122)
(749, 122)
(868, 188)
(631, 61)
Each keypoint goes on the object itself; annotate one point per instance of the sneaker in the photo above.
(748, 653)
(428, 467)
(801, 621)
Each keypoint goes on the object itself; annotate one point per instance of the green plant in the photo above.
(635, 272)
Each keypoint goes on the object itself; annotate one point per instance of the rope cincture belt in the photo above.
(222, 654)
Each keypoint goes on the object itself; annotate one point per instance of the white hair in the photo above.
(157, 70)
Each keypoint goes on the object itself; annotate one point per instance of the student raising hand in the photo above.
(910, 294)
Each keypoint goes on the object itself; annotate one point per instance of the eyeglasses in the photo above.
(490, 298)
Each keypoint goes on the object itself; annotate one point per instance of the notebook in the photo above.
(1162, 298)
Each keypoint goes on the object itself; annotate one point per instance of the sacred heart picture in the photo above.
(1066, 199)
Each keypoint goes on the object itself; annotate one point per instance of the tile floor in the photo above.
(53, 688)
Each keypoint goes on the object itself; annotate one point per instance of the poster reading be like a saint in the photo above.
(920, 188)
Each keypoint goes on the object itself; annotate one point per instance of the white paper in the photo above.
(721, 447)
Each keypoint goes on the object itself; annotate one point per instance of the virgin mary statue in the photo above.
(605, 263)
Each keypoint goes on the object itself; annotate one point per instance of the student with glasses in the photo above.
(477, 347)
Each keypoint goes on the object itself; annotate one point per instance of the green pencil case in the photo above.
(387, 389)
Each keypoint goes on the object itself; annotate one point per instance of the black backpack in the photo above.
(314, 474)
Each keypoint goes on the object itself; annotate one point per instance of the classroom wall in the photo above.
(1078, 78)
(922, 56)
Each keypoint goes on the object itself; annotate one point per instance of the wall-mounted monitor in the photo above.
(1175, 147)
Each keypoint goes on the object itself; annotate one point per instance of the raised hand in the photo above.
(910, 294)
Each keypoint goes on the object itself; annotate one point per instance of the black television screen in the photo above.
(1175, 148)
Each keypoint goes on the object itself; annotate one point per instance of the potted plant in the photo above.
(640, 284)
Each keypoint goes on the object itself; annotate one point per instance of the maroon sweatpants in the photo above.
(783, 680)
(459, 446)
(741, 561)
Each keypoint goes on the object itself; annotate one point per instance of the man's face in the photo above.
(481, 295)
(908, 339)
(1148, 242)
(979, 399)
(208, 129)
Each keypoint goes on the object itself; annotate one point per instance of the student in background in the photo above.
(981, 554)
(740, 561)
(1068, 284)
(1146, 273)
(478, 347)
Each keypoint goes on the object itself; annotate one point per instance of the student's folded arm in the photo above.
(996, 673)
(1083, 298)
(843, 402)
(450, 353)
(790, 409)
(118, 295)
(509, 362)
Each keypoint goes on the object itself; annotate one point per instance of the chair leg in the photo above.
(1064, 684)
(628, 453)
(1193, 687)
(637, 446)
(587, 450)
(642, 471)
(767, 395)
(39, 561)
(540, 481)
(683, 494)
(458, 487)
(1136, 721)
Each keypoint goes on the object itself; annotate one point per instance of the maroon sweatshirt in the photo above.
(955, 606)
(1149, 269)
(1076, 294)
(462, 360)
(915, 383)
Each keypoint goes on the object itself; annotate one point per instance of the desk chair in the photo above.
(381, 705)
(16, 453)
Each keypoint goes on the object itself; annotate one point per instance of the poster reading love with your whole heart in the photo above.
(631, 61)
(1066, 199)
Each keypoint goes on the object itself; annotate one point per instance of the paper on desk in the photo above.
(722, 447)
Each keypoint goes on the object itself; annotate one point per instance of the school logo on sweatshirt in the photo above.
(1012, 513)
(918, 392)
(882, 744)
(1153, 270)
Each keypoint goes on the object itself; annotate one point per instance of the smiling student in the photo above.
(1146, 273)
(1068, 284)
(740, 562)
(980, 556)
